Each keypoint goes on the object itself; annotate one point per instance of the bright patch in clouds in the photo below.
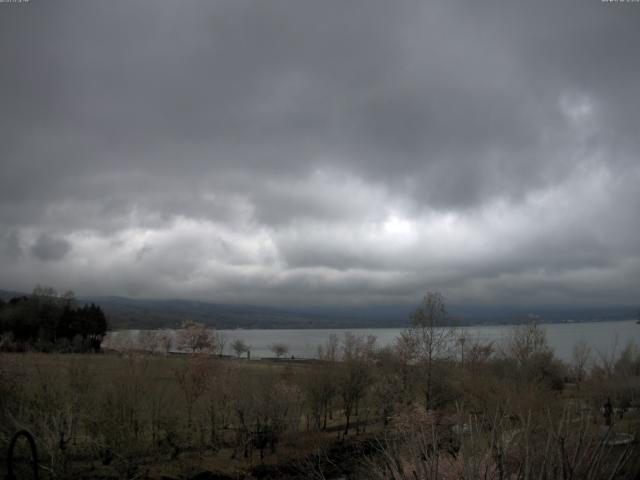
(578, 108)
(399, 229)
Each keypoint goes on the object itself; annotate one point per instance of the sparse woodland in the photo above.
(436, 404)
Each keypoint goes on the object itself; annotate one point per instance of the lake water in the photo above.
(603, 337)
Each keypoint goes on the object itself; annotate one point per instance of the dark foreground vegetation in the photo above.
(46, 321)
(435, 405)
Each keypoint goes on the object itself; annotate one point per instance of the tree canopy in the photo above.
(46, 320)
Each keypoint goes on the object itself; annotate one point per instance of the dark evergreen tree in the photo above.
(42, 319)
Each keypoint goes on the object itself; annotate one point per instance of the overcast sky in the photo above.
(322, 152)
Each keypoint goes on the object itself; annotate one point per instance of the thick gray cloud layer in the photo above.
(322, 152)
(48, 248)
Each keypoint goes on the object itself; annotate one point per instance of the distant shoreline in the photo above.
(383, 327)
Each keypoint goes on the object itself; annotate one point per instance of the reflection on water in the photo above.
(603, 337)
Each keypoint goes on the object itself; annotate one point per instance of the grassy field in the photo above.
(122, 415)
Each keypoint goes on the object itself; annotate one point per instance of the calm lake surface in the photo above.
(603, 337)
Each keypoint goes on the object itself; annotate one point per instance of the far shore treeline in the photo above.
(47, 321)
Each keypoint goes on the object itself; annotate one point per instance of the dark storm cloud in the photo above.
(48, 248)
(321, 151)
(12, 247)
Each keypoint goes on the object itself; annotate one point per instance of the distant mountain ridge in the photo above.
(123, 312)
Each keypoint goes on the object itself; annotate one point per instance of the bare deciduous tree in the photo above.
(239, 347)
(329, 352)
(354, 377)
(319, 389)
(431, 336)
(165, 341)
(196, 337)
(193, 377)
(221, 342)
(279, 349)
(580, 357)
(525, 342)
(148, 341)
